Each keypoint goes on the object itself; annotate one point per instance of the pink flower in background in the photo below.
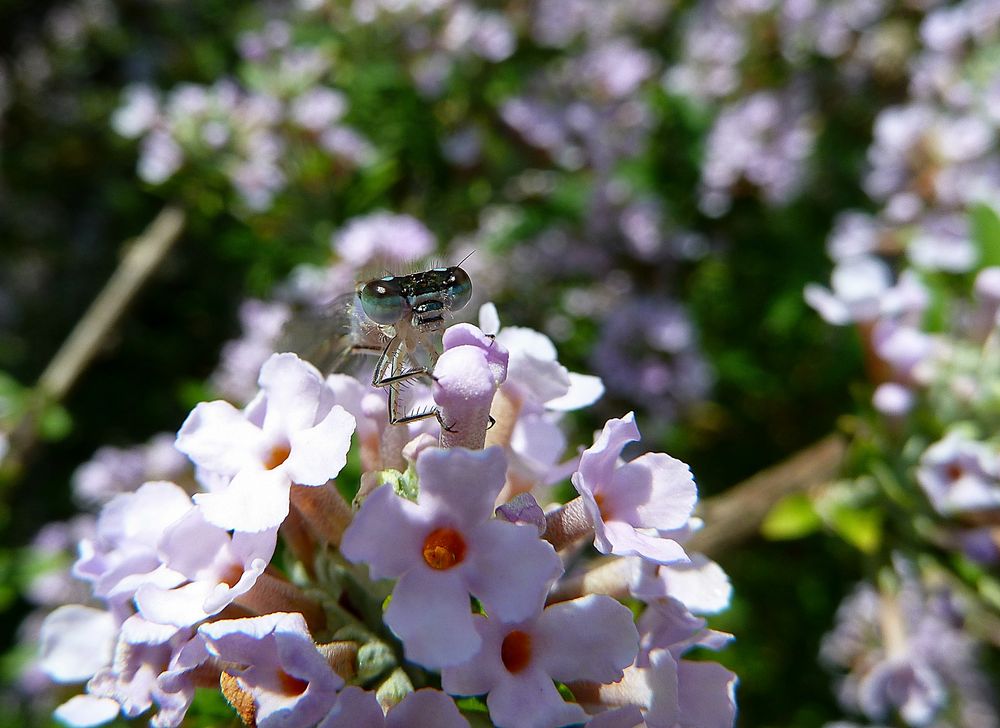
(291, 433)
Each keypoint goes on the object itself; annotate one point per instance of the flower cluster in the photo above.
(918, 279)
(446, 564)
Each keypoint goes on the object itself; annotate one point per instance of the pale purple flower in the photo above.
(85, 711)
(854, 234)
(617, 68)
(542, 389)
(960, 474)
(859, 285)
(591, 638)
(466, 377)
(143, 652)
(943, 243)
(160, 156)
(672, 691)
(291, 433)
(56, 544)
(123, 554)
(485, 33)
(893, 399)
(138, 112)
(235, 377)
(981, 545)
(114, 470)
(257, 181)
(348, 145)
(382, 236)
(700, 585)
(426, 708)
(906, 349)
(987, 285)
(318, 108)
(648, 353)
(630, 504)
(764, 139)
(906, 653)
(446, 547)
(292, 685)
(713, 47)
(76, 641)
(534, 372)
(204, 569)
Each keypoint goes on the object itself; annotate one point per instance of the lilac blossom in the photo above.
(425, 708)
(893, 399)
(714, 44)
(517, 660)
(943, 243)
(144, 651)
(648, 353)
(859, 285)
(448, 547)
(855, 234)
(906, 653)
(123, 554)
(291, 684)
(115, 470)
(700, 585)
(262, 322)
(204, 569)
(705, 690)
(291, 433)
(535, 393)
(631, 504)
(77, 641)
(382, 236)
(466, 377)
(700, 693)
(960, 474)
(765, 140)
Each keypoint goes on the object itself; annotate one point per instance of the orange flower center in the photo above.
(291, 685)
(232, 575)
(278, 455)
(444, 548)
(599, 499)
(955, 472)
(515, 652)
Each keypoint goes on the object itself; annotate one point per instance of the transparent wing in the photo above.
(329, 337)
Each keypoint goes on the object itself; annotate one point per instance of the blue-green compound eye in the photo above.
(382, 301)
(459, 289)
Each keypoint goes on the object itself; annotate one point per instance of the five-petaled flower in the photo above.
(447, 546)
(293, 432)
(634, 505)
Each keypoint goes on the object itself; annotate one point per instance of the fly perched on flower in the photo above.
(398, 318)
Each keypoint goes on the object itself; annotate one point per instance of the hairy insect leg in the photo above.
(387, 374)
(395, 418)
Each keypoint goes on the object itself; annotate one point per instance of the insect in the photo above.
(400, 319)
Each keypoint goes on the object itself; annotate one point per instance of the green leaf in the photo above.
(860, 528)
(986, 233)
(791, 517)
(55, 423)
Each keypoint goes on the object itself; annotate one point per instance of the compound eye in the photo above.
(382, 301)
(459, 289)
